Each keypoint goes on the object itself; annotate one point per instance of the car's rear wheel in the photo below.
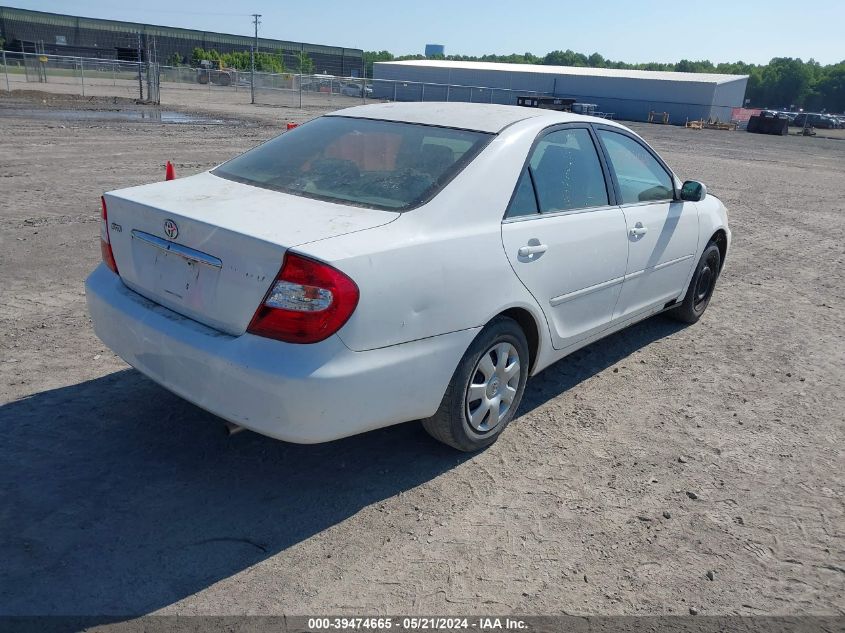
(701, 287)
(485, 390)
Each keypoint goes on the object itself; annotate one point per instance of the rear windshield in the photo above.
(377, 164)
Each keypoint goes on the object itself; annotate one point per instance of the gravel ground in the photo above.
(637, 466)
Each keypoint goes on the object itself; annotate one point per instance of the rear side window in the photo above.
(524, 201)
(369, 163)
(641, 178)
(566, 171)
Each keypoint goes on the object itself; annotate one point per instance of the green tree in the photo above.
(306, 64)
(266, 62)
(375, 56)
(785, 81)
(686, 66)
(595, 61)
(240, 60)
(831, 88)
(198, 55)
(565, 58)
(404, 57)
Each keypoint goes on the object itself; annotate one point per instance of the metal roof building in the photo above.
(628, 94)
(58, 34)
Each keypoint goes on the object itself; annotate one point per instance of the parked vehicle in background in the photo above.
(782, 112)
(212, 71)
(395, 262)
(352, 89)
(823, 121)
(321, 83)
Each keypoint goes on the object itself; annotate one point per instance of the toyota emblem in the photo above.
(170, 229)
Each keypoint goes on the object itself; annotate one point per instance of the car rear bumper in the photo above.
(298, 393)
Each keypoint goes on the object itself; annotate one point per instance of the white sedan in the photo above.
(396, 262)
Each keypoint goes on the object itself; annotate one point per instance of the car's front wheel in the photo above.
(485, 390)
(701, 286)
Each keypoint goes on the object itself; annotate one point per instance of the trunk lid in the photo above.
(209, 248)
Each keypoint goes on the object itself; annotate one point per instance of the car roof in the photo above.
(481, 117)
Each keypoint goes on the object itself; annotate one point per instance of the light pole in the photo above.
(255, 22)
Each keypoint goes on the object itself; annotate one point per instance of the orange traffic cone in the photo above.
(169, 171)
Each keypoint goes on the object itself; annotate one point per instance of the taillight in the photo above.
(307, 303)
(105, 242)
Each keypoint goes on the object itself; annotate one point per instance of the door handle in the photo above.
(638, 231)
(534, 249)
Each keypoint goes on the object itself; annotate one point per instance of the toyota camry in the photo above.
(397, 262)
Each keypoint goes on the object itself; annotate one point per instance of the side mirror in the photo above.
(693, 191)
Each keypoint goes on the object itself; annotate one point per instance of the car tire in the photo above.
(487, 370)
(701, 286)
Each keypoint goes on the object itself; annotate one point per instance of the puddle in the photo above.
(152, 116)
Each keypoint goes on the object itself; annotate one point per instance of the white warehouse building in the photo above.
(627, 94)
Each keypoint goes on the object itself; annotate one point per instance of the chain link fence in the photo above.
(323, 90)
(222, 87)
(153, 82)
(80, 75)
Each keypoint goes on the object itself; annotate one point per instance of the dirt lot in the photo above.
(118, 497)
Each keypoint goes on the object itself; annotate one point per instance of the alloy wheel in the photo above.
(493, 387)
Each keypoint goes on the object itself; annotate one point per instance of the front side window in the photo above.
(641, 178)
(566, 171)
(378, 164)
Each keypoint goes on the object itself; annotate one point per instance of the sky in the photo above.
(631, 31)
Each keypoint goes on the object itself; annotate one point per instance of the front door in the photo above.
(564, 238)
(662, 233)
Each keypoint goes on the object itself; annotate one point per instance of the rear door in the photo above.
(662, 233)
(564, 236)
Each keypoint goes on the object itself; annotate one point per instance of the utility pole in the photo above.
(140, 81)
(255, 22)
